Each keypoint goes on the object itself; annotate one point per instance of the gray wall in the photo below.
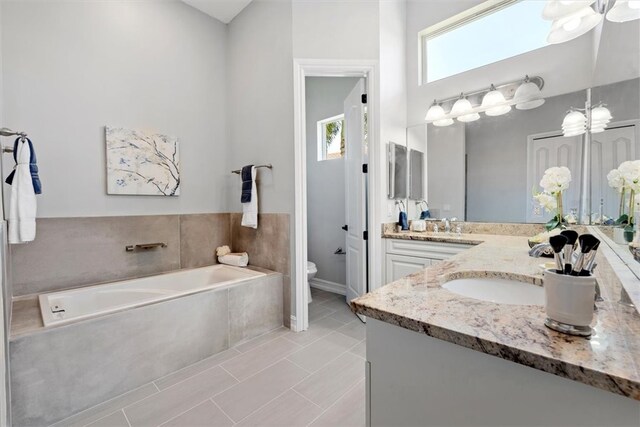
(70, 68)
(497, 149)
(325, 180)
(260, 109)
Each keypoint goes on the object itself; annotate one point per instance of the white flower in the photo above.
(616, 180)
(555, 180)
(547, 201)
(630, 171)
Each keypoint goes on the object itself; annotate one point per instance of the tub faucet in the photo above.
(539, 249)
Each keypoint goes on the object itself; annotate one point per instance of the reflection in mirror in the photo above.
(493, 164)
(416, 174)
(397, 171)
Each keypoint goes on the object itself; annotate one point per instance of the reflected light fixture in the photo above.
(463, 109)
(576, 123)
(494, 103)
(571, 19)
(528, 95)
(624, 10)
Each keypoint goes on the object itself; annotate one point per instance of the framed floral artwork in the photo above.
(142, 163)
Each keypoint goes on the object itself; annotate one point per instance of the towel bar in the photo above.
(270, 166)
(144, 246)
(9, 132)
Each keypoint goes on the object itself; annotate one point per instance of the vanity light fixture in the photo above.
(443, 122)
(624, 10)
(571, 19)
(495, 103)
(435, 112)
(463, 110)
(528, 95)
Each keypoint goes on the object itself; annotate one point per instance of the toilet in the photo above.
(311, 272)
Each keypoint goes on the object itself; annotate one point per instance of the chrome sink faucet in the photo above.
(447, 225)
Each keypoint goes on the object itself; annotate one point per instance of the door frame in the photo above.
(303, 68)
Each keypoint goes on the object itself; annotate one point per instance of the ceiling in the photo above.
(222, 10)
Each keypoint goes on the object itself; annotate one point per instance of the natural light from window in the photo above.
(331, 138)
(507, 32)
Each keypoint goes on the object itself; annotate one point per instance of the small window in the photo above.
(488, 33)
(331, 138)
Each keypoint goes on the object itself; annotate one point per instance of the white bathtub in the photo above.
(76, 304)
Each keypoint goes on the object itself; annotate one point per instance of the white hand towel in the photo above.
(250, 209)
(237, 259)
(22, 207)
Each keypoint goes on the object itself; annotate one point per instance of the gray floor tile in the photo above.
(344, 315)
(317, 330)
(289, 409)
(348, 411)
(317, 312)
(206, 414)
(117, 419)
(196, 368)
(99, 411)
(175, 400)
(360, 350)
(355, 329)
(319, 295)
(335, 304)
(262, 339)
(248, 396)
(316, 355)
(257, 359)
(326, 385)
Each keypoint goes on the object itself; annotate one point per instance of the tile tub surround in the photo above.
(59, 371)
(268, 246)
(72, 252)
(610, 360)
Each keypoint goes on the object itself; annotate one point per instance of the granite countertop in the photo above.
(609, 360)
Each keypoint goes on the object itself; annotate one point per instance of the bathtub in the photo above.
(76, 304)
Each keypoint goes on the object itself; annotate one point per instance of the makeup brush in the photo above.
(590, 261)
(557, 244)
(571, 236)
(587, 242)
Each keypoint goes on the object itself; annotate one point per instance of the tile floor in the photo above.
(311, 378)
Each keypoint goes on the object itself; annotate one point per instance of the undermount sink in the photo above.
(499, 291)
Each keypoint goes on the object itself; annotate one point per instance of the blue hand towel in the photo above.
(33, 167)
(403, 221)
(425, 214)
(247, 183)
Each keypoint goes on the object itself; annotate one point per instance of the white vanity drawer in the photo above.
(432, 250)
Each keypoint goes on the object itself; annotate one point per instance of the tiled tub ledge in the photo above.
(59, 371)
(610, 360)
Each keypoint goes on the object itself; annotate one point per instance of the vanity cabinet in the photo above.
(405, 257)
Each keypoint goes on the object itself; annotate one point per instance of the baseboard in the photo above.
(293, 324)
(326, 285)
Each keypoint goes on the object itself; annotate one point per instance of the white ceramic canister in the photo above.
(618, 235)
(569, 299)
(419, 225)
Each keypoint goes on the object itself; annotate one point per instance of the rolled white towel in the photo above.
(236, 259)
(222, 250)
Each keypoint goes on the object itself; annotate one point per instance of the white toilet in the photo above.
(311, 272)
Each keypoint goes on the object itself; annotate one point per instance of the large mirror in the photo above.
(486, 170)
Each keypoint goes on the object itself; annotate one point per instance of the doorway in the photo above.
(336, 134)
(332, 218)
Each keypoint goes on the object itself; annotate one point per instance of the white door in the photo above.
(545, 152)
(355, 152)
(608, 150)
(399, 266)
